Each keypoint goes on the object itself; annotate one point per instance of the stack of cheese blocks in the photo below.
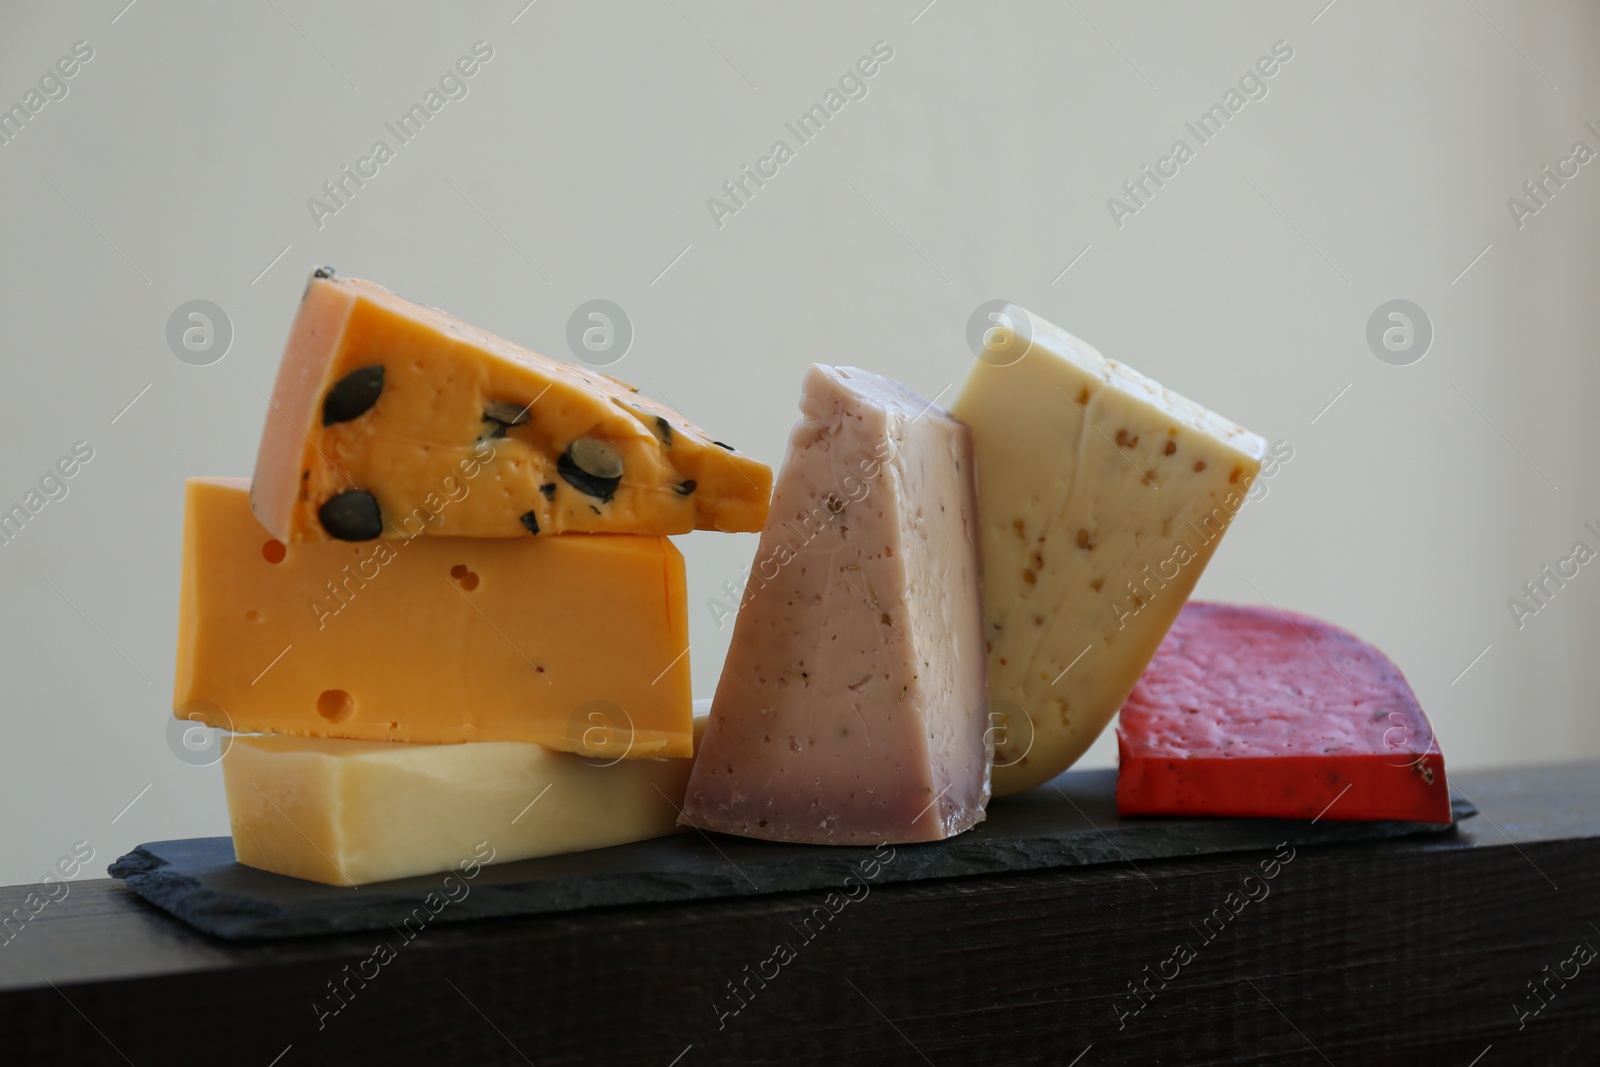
(445, 613)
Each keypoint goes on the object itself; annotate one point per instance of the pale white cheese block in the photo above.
(1102, 496)
(851, 707)
(346, 812)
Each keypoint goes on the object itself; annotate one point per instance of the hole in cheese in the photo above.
(273, 551)
(335, 705)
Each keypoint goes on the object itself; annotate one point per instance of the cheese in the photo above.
(1102, 497)
(851, 707)
(382, 406)
(355, 812)
(1255, 713)
(578, 643)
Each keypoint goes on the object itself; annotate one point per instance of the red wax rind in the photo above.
(1249, 712)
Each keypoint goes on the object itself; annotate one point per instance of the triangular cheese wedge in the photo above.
(391, 419)
(851, 708)
(1103, 496)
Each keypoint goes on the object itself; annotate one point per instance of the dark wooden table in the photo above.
(1420, 951)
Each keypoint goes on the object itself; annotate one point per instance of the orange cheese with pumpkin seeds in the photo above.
(575, 643)
(379, 402)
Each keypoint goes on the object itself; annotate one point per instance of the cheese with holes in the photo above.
(1102, 496)
(851, 706)
(1252, 712)
(381, 403)
(356, 812)
(577, 643)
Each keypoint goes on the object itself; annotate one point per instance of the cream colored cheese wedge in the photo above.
(1101, 497)
(355, 812)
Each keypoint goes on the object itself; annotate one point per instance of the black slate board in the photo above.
(1069, 822)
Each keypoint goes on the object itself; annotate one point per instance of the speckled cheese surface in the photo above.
(851, 708)
(1102, 496)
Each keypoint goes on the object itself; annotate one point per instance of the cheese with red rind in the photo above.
(1246, 711)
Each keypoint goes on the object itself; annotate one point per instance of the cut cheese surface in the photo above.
(1102, 497)
(390, 418)
(355, 812)
(851, 706)
(1246, 711)
(577, 643)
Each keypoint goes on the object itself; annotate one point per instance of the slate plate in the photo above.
(1070, 822)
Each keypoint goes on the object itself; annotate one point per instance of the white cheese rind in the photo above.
(851, 709)
(1102, 496)
(346, 812)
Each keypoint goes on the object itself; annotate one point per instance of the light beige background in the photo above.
(978, 166)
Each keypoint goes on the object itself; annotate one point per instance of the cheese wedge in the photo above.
(1102, 497)
(379, 401)
(356, 812)
(851, 706)
(1253, 713)
(577, 643)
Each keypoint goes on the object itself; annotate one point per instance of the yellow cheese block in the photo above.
(356, 812)
(577, 643)
(381, 404)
